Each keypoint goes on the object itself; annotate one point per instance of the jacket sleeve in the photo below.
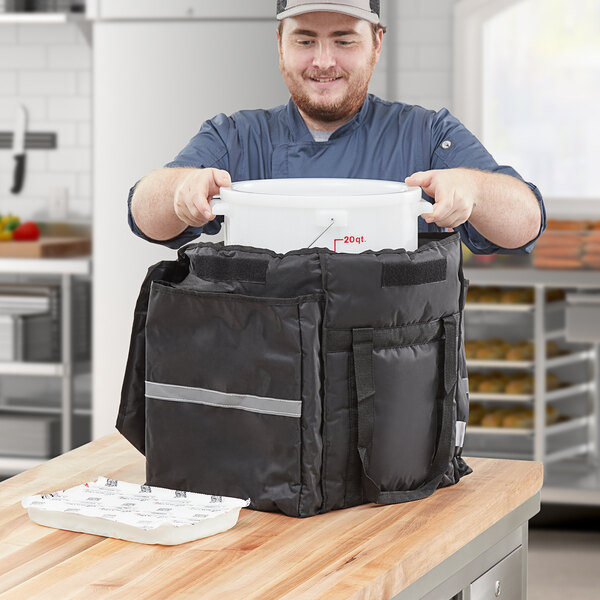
(186, 236)
(452, 146)
(207, 149)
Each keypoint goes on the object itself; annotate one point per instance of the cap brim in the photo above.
(321, 7)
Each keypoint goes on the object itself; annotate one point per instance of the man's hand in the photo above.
(194, 192)
(502, 208)
(168, 200)
(455, 192)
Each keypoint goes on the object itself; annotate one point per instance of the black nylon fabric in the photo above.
(258, 354)
(131, 420)
(412, 273)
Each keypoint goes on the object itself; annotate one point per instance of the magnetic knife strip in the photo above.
(33, 140)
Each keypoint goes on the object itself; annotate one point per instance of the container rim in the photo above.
(339, 192)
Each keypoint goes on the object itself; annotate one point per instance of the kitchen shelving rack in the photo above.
(568, 448)
(64, 270)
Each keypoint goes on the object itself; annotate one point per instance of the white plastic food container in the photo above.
(134, 512)
(344, 215)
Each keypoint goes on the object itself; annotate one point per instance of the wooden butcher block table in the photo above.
(475, 531)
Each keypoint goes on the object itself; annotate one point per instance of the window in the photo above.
(532, 69)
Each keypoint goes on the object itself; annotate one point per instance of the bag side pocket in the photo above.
(131, 419)
(233, 396)
(406, 414)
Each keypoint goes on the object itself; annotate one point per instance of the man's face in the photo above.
(327, 60)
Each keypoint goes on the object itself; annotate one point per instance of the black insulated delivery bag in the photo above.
(308, 381)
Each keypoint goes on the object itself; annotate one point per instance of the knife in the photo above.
(18, 149)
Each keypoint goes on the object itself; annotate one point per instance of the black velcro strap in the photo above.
(227, 268)
(362, 345)
(341, 340)
(362, 349)
(413, 273)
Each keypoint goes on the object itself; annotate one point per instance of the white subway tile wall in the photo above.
(378, 83)
(423, 52)
(48, 69)
(47, 82)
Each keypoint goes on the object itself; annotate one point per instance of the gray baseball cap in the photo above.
(361, 9)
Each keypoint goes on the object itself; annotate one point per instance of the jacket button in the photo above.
(446, 144)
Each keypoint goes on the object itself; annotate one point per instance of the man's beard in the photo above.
(330, 111)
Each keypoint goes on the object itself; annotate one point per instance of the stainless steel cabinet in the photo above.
(503, 581)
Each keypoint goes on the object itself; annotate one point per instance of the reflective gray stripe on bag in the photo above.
(308, 381)
(180, 393)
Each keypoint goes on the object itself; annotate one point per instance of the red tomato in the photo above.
(26, 231)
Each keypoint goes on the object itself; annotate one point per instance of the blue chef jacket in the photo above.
(384, 140)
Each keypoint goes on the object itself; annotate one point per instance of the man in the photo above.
(333, 128)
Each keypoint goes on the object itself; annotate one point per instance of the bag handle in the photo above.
(362, 349)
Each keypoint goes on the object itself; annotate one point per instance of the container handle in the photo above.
(423, 206)
(218, 206)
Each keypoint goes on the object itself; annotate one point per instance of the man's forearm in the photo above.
(502, 208)
(152, 204)
(506, 211)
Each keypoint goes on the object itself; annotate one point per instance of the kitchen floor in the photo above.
(564, 554)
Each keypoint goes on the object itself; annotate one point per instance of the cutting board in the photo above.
(47, 247)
